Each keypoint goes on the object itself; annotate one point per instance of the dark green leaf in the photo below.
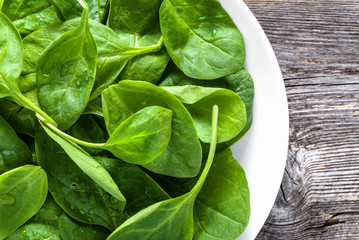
(35, 231)
(80, 196)
(65, 74)
(201, 38)
(143, 136)
(222, 207)
(13, 152)
(49, 213)
(88, 165)
(22, 190)
(87, 129)
(169, 219)
(71, 229)
(182, 157)
(22, 120)
(139, 189)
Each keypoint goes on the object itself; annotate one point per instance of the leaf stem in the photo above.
(68, 137)
(212, 151)
(28, 104)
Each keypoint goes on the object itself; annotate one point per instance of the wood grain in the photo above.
(317, 46)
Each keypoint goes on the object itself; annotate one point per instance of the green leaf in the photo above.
(182, 157)
(87, 129)
(13, 152)
(148, 67)
(35, 231)
(139, 189)
(93, 199)
(87, 164)
(241, 83)
(22, 120)
(138, 21)
(65, 74)
(49, 213)
(70, 9)
(22, 190)
(11, 54)
(143, 136)
(222, 208)
(198, 101)
(169, 219)
(201, 38)
(71, 229)
(113, 51)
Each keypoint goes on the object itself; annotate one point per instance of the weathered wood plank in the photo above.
(317, 46)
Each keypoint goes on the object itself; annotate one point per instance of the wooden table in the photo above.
(317, 46)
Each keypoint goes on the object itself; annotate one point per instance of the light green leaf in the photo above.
(22, 190)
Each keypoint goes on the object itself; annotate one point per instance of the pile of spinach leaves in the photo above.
(116, 118)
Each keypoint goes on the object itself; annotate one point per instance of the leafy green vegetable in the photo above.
(142, 137)
(142, 143)
(49, 213)
(139, 189)
(71, 229)
(69, 9)
(222, 207)
(35, 231)
(87, 129)
(22, 190)
(10, 57)
(198, 101)
(95, 200)
(241, 83)
(13, 152)
(22, 120)
(29, 16)
(67, 71)
(171, 218)
(201, 38)
(138, 21)
(182, 157)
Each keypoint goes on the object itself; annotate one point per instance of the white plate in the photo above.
(263, 150)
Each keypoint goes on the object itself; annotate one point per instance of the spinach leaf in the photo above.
(70, 9)
(138, 21)
(22, 120)
(198, 100)
(28, 16)
(87, 129)
(169, 219)
(143, 136)
(209, 45)
(112, 52)
(28, 87)
(13, 152)
(87, 164)
(35, 231)
(65, 74)
(11, 53)
(71, 229)
(182, 157)
(139, 189)
(79, 195)
(241, 83)
(49, 213)
(22, 190)
(222, 207)
(148, 67)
